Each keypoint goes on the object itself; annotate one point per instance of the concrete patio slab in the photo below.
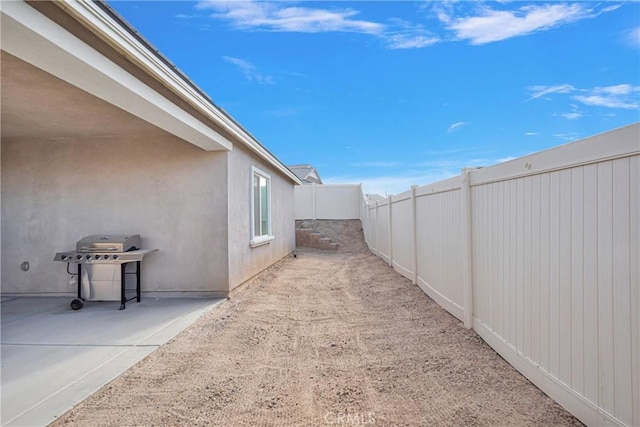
(54, 357)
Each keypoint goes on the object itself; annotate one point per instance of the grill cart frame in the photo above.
(114, 250)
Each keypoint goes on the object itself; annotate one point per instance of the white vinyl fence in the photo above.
(539, 255)
(327, 201)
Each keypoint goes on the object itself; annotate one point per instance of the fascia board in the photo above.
(34, 38)
(316, 175)
(113, 32)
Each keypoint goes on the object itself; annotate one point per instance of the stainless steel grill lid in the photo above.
(109, 243)
(105, 249)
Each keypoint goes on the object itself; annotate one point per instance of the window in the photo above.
(260, 207)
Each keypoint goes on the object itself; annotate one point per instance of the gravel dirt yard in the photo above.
(327, 338)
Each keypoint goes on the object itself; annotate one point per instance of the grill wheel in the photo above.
(77, 304)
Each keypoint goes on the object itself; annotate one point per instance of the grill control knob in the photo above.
(106, 257)
(115, 257)
(78, 256)
(88, 257)
(97, 256)
(64, 257)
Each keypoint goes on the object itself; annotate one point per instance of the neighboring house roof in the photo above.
(166, 99)
(375, 197)
(306, 173)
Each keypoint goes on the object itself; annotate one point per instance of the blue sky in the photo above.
(394, 93)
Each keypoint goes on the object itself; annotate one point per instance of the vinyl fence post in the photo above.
(414, 234)
(467, 247)
(360, 202)
(377, 232)
(390, 231)
(364, 216)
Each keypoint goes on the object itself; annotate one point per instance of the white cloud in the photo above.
(249, 71)
(571, 116)
(254, 15)
(611, 8)
(574, 114)
(531, 133)
(567, 136)
(540, 91)
(488, 25)
(410, 41)
(456, 126)
(390, 184)
(398, 177)
(407, 35)
(624, 89)
(618, 96)
(633, 37)
(271, 16)
(605, 101)
(421, 173)
(495, 25)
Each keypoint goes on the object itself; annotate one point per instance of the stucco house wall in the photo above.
(100, 134)
(246, 261)
(172, 193)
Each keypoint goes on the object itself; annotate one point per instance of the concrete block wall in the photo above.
(311, 239)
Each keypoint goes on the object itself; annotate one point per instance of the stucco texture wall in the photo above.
(170, 192)
(245, 261)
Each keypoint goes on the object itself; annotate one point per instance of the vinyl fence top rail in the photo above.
(337, 185)
(449, 184)
(400, 196)
(618, 143)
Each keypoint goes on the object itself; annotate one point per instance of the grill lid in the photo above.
(109, 243)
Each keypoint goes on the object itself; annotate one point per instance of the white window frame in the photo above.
(264, 239)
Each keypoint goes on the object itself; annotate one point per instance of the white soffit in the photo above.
(32, 37)
(94, 17)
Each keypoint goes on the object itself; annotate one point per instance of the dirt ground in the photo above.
(327, 338)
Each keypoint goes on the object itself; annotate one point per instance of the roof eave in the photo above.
(103, 21)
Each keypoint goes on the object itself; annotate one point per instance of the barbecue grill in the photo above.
(105, 258)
